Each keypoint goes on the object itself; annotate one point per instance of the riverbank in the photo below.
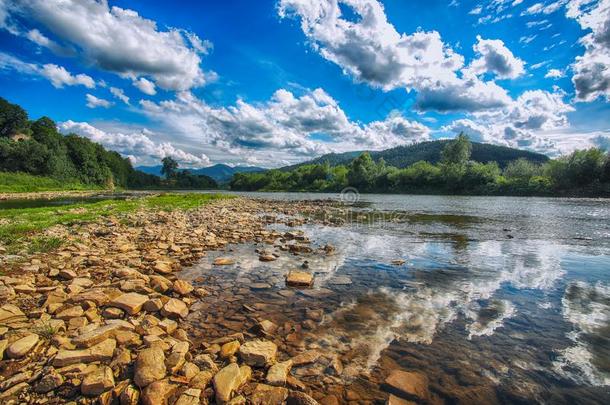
(104, 313)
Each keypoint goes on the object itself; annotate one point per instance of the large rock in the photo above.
(97, 335)
(10, 313)
(228, 380)
(21, 347)
(131, 302)
(297, 278)
(102, 351)
(268, 395)
(278, 373)
(258, 353)
(182, 287)
(157, 393)
(150, 366)
(410, 385)
(175, 308)
(97, 382)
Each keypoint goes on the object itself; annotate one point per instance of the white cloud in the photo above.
(282, 130)
(554, 74)
(94, 102)
(372, 51)
(134, 144)
(145, 86)
(57, 75)
(476, 11)
(117, 40)
(540, 8)
(120, 94)
(41, 40)
(495, 57)
(592, 69)
(60, 77)
(524, 124)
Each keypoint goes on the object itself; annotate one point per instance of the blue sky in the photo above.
(275, 82)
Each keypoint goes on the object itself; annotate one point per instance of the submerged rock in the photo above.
(411, 385)
(299, 279)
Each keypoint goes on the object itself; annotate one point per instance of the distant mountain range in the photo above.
(219, 172)
(403, 156)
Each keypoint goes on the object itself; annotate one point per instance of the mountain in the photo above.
(219, 172)
(403, 156)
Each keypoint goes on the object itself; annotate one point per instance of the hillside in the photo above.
(403, 156)
(219, 172)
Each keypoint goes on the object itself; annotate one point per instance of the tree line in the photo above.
(37, 147)
(583, 173)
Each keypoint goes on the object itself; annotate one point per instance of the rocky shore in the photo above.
(103, 319)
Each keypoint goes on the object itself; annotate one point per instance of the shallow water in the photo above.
(499, 299)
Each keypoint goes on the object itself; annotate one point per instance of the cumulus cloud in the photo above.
(495, 57)
(134, 144)
(116, 39)
(524, 124)
(60, 77)
(145, 86)
(94, 102)
(286, 125)
(372, 51)
(57, 75)
(554, 74)
(120, 94)
(591, 77)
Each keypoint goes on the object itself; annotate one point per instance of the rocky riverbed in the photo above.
(108, 317)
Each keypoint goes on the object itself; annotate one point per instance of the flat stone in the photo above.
(182, 287)
(49, 381)
(150, 366)
(394, 400)
(160, 284)
(223, 261)
(228, 380)
(308, 357)
(189, 397)
(341, 280)
(411, 385)
(297, 278)
(102, 351)
(10, 313)
(258, 353)
(268, 395)
(98, 296)
(97, 335)
(97, 382)
(22, 346)
(229, 349)
(153, 305)
(163, 267)
(175, 308)
(278, 373)
(131, 302)
(267, 258)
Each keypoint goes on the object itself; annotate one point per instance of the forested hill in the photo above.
(404, 156)
(220, 172)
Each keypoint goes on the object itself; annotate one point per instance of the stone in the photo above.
(297, 278)
(398, 262)
(160, 284)
(229, 349)
(394, 400)
(97, 335)
(223, 261)
(228, 380)
(278, 373)
(150, 366)
(102, 351)
(3, 345)
(267, 327)
(131, 302)
(67, 274)
(238, 400)
(175, 308)
(10, 313)
(267, 258)
(411, 385)
(113, 313)
(97, 382)
(300, 398)
(308, 357)
(49, 381)
(163, 267)
(168, 325)
(268, 395)
(258, 353)
(98, 296)
(21, 347)
(182, 287)
(205, 362)
(157, 393)
(130, 396)
(189, 397)
(201, 379)
(153, 305)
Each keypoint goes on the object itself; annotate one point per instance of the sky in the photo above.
(275, 82)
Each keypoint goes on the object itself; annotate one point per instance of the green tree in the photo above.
(457, 151)
(362, 172)
(13, 118)
(170, 166)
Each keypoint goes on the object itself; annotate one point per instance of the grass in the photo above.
(20, 227)
(25, 183)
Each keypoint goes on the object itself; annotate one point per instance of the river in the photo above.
(499, 299)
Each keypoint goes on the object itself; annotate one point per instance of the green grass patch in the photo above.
(26, 183)
(21, 225)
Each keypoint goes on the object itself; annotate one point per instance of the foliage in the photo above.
(582, 173)
(169, 167)
(13, 119)
(25, 183)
